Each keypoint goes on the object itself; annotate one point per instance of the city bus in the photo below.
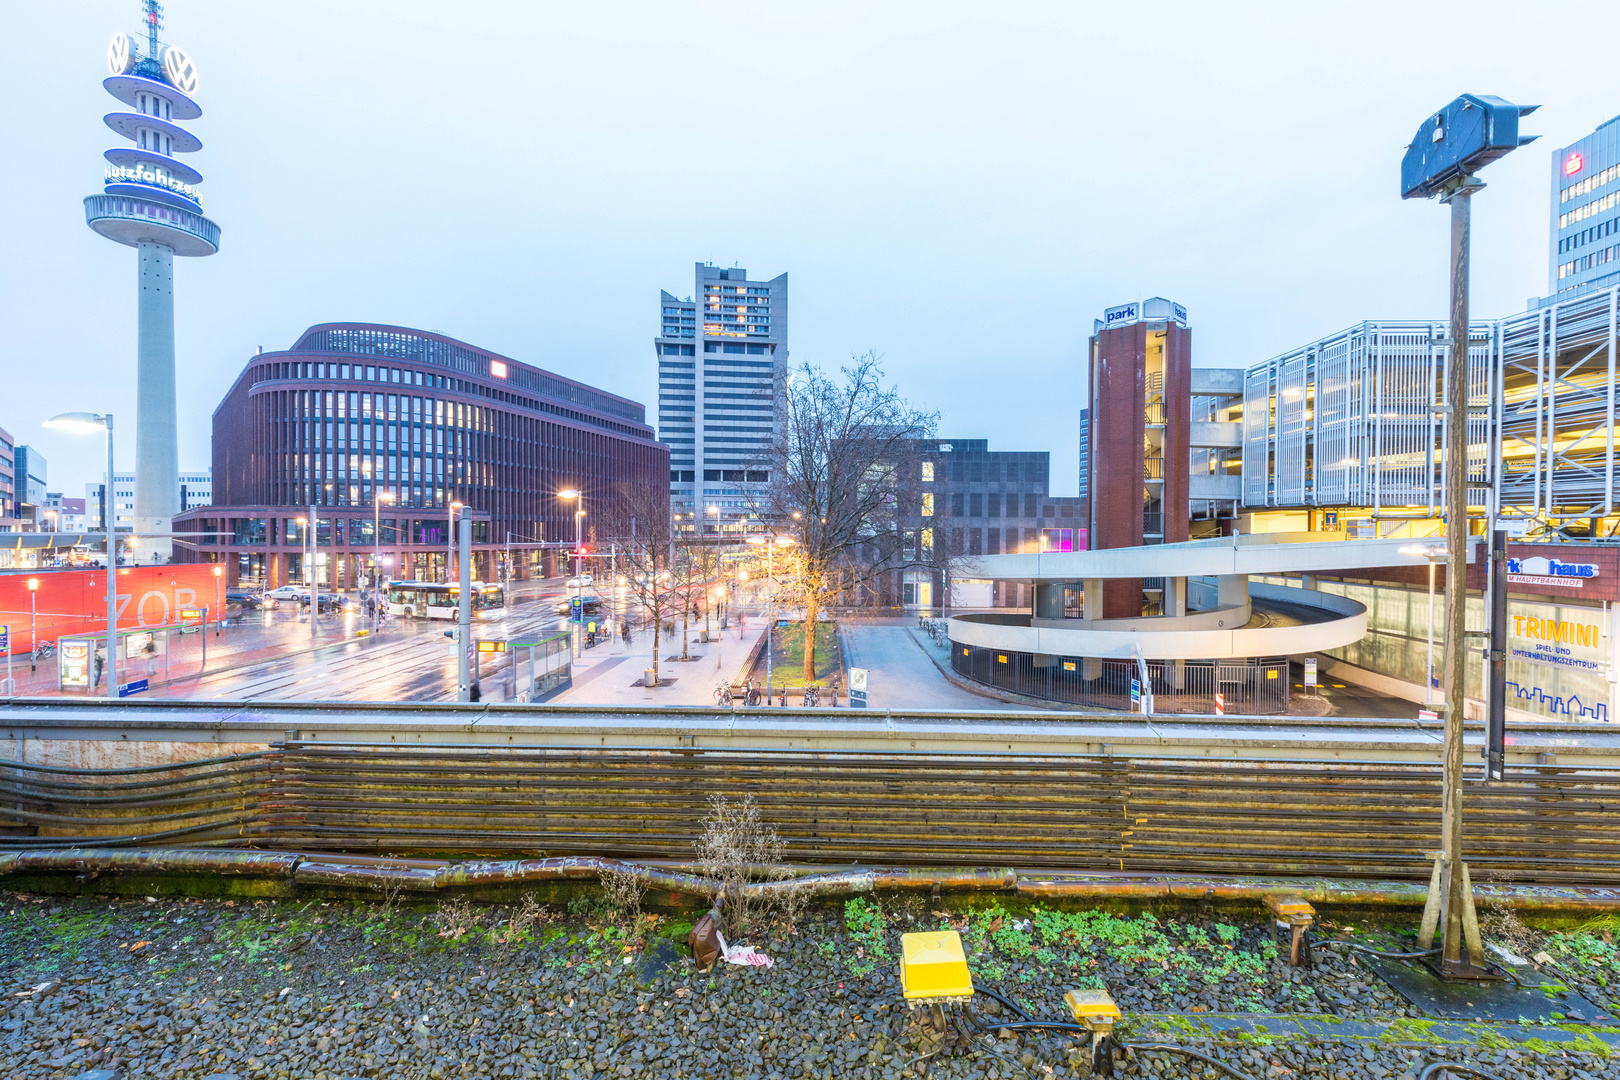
(436, 600)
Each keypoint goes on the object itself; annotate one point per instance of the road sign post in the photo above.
(1310, 674)
(1136, 694)
(9, 687)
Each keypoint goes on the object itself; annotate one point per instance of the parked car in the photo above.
(289, 592)
(583, 581)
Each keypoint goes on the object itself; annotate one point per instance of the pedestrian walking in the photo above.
(100, 654)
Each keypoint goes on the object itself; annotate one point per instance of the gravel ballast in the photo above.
(326, 990)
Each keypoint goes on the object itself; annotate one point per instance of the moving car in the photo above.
(288, 592)
(593, 604)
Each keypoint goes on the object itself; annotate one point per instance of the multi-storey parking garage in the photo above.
(1353, 420)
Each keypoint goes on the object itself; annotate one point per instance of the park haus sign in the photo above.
(1550, 573)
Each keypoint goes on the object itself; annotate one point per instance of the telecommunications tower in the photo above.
(150, 203)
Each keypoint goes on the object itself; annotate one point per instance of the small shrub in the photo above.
(454, 919)
(622, 890)
(735, 843)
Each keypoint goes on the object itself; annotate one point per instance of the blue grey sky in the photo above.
(960, 187)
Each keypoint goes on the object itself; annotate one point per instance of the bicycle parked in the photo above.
(722, 694)
(44, 650)
(811, 696)
(750, 693)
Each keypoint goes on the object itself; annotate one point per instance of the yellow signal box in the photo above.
(933, 967)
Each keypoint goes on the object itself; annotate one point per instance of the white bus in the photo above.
(435, 600)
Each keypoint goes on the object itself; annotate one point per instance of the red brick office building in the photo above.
(381, 429)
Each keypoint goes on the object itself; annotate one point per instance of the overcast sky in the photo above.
(960, 187)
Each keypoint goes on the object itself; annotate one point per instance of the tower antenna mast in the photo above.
(154, 22)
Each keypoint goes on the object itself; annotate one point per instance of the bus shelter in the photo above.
(146, 654)
(542, 669)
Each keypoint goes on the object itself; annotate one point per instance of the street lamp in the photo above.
(33, 622)
(376, 529)
(1435, 554)
(579, 539)
(218, 571)
(84, 422)
(450, 550)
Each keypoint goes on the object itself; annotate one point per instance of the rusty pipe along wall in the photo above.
(337, 873)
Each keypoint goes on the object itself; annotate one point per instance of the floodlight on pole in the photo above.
(1465, 135)
(84, 422)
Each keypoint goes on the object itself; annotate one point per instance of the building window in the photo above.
(928, 472)
(928, 504)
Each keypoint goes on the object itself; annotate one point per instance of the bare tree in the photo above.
(640, 530)
(844, 476)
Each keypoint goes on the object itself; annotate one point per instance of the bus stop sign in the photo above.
(576, 607)
(1462, 137)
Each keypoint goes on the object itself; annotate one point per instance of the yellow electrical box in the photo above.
(1093, 1008)
(933, 965)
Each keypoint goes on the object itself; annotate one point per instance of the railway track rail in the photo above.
(1553, 824)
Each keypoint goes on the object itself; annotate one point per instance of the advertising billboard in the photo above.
(75, 601)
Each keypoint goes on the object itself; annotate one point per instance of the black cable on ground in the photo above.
(1378, 952)
(1033, 1025)
(1456, 1067)
(1008, 1002)
(1217, 1062)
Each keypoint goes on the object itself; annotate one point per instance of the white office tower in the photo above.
(722, 394)
(150, 203)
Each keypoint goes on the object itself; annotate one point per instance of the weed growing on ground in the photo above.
(868, 925)
(454, 919)
(622, 888)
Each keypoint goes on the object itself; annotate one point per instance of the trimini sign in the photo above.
(1550, 572)
(1556, 631)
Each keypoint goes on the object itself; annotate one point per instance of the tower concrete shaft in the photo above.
(150, 202)
(157, 452)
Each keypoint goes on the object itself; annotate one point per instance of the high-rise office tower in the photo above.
(722, 394)
(1585, 234)
(150, 203)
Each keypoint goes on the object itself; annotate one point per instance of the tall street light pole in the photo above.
(1435, 554)
(450, 551)
(314, 579)
(33, 623)
(576, 611)
(83, 421)
(377, 498)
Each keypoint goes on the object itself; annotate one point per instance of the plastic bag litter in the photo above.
(744, 955)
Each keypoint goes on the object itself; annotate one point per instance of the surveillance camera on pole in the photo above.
(1464, 136)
